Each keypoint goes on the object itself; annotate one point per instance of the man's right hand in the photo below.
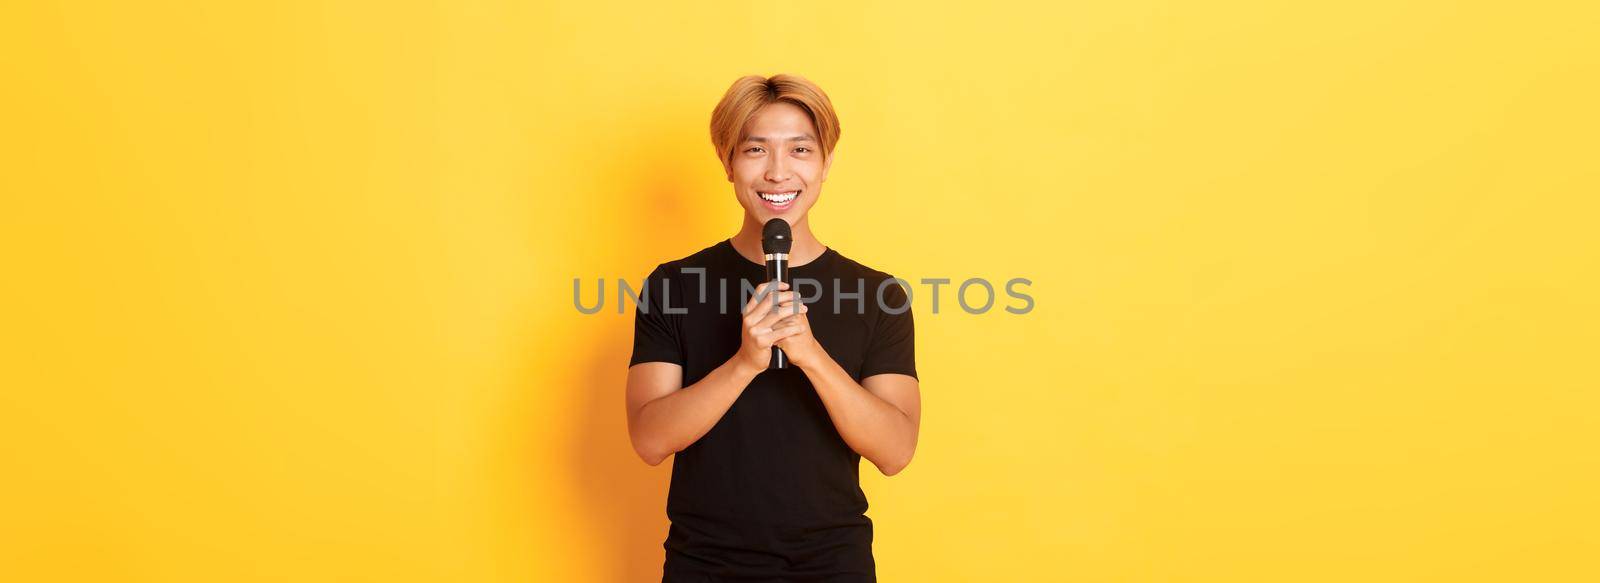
(764, 326)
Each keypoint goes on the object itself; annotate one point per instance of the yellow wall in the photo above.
(287, 287)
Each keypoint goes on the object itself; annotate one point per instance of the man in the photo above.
(765, 477)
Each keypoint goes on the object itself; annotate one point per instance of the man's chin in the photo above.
(791, 211)
(794, 216)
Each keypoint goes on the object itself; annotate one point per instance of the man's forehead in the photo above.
(795, 138)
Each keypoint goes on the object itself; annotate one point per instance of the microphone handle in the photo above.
(778, 270)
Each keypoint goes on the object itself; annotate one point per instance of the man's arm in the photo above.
(664, 417)
(878, 418)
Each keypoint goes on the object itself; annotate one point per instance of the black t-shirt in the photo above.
(771, 492)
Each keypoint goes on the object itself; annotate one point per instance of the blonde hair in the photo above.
(750, 93)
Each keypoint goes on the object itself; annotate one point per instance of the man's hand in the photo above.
(801, 348)
(764, 326)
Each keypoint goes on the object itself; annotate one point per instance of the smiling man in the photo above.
(765, 475)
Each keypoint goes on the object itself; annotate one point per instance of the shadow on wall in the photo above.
(623, 497)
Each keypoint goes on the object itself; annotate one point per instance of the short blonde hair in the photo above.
(750, 93)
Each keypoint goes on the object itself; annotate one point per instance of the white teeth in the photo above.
(780, 197)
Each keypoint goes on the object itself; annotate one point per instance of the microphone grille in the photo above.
(776, 237)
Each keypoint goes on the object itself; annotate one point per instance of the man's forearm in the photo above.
(871, 426)
(676, 421)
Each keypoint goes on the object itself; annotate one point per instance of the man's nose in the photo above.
(776, 170)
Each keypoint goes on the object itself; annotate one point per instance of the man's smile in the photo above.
(779, 200)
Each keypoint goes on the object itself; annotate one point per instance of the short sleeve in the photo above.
(656, 334)
(892, 347)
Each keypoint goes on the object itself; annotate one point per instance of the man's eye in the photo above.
(803, 150)
(753, 149)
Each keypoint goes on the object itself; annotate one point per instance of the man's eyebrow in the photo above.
(799, 138)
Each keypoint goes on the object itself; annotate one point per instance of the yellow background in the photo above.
(287, 287)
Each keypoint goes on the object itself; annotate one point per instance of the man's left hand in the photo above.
(802, 349)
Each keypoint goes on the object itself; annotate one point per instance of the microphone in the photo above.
(776, 240)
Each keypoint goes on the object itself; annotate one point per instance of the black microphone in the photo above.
(776, 240)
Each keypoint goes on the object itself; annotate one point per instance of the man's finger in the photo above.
(770, 319)
(781, 298)
(785, 312)
(782, 332)
(756, 314)
(789, 307)
(761, 294)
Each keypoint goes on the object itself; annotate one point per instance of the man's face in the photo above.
(777, 171)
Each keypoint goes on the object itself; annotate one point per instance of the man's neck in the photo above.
(805, 250)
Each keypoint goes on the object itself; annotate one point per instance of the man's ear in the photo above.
(827, 164)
